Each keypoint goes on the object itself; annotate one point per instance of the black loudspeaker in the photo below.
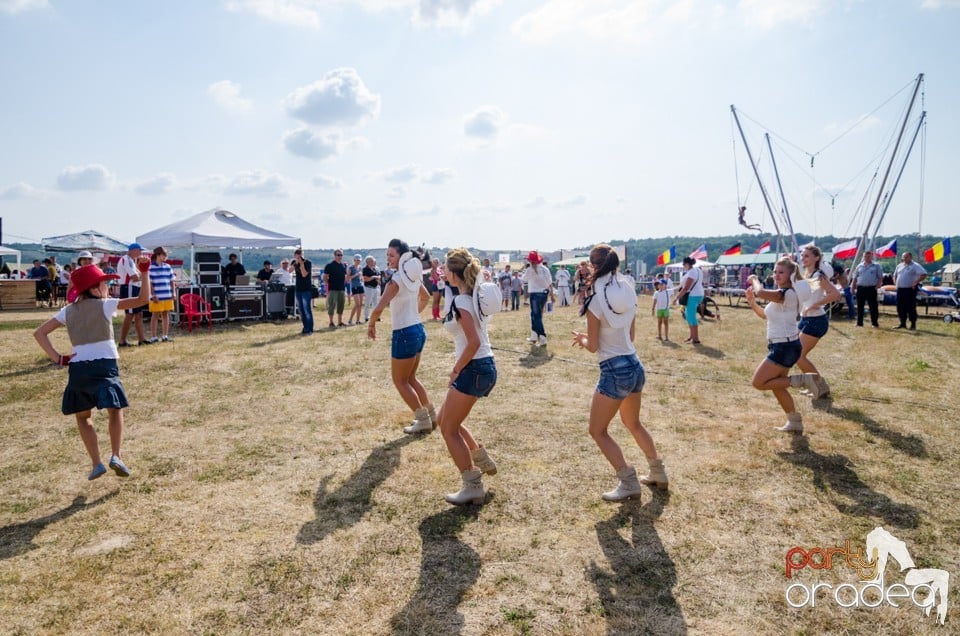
(216, 296)
(208, 278)
(208, 267)
(207, 257)
(244, 308)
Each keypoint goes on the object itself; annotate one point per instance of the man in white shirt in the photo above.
(539, 288)
(563, 287)
(130, 288)
(907, 278)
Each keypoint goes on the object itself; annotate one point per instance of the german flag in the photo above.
(734, 250)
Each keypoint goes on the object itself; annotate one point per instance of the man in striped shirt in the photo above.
(161, 298)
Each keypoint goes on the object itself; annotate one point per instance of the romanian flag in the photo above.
(763, 249)
(887, 251)
(843, 251)
(733, 251)
(667, 257)
(937, 252)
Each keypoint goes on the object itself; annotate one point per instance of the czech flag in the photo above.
(700, 253)
(887, 251)
(843, 251)
(733, 251)
(937, 252)
(763, 249)
(668, 256)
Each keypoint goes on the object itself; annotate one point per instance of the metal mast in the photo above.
(763, 190)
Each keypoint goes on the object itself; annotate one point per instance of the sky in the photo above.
(510, 125)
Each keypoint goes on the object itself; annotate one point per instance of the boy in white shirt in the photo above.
(661, 307)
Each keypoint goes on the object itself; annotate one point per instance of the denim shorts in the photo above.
(621, 376)
(356, 291)
(784, 354)
(477, 378)
(93, 384)
(816, 326)
(408, 342)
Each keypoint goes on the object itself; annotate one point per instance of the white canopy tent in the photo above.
(9, 251)
(216, 228)
(88, 240)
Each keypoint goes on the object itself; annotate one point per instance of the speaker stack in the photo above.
(208, 268)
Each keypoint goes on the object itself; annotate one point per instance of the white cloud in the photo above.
(572, 202)
(90, 177)
(21, 190)
(538, 202)
(438, 177)
(485, 123)
(258, 183)
(940, 4)
(305, 142)
(227, 95)
(600, 19)
(397, 192)
(163, 182)
(403, 174)
(767, 14)
(13, 7)
(451, 13)
(301, 13)
(328, 183)
(340, 98)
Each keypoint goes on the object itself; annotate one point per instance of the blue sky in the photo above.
(503, 125)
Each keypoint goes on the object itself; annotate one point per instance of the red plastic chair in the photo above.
(195, 307)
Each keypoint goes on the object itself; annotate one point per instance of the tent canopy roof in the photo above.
(215, 228)
(679, 265)
(8, 251)
(768, 258)
(88, 240)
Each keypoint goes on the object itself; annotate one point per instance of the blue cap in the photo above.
(135, 246)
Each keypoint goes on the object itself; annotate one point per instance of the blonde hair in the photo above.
(789, 263)
(465, 265)
(813, 249)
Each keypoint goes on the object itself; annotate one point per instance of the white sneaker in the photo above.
(542, 341)
(533, 337)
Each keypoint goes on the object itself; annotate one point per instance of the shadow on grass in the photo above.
(448, 568)
(637, 597)
(18, 538)
(43, 368)
(709, 352)
(834, 473)
(272, 341)
(537, 357)
(346, 506)
(909, 444)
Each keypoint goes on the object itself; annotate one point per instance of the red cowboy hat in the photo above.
(534, 257)
(88, 277)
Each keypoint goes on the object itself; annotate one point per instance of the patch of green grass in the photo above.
(918, 364)
(520, 618)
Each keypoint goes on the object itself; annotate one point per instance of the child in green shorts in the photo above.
(661, 307)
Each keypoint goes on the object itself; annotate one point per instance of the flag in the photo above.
(733, 251)
(668, 256)
(843, 251)
(763, 249)
(937, 252)
(887, 251)
(700, 253)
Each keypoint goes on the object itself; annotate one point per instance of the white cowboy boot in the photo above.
(533, 337)
(794, 424)
(657, 475)
(422, 424)
(627, 488)
(808, 381)
(482, 461)
(472, 491)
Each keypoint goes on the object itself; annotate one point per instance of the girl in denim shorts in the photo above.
(407, 298)
(94, 378)
(610, 313)
(474, 373)
(783, 339)
(813, 318)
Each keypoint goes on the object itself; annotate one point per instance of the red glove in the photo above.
(143, 266)
(63, 361)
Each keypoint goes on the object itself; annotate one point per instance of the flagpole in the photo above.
(756, 173)
(886, 205)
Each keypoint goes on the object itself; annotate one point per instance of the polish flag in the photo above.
(843, 251)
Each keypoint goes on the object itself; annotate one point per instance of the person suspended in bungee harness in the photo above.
(743, 221)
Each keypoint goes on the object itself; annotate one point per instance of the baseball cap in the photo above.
(135, 246)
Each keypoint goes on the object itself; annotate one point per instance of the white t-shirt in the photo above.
(695, 275)
(563, 277)
(661, 299)
(813, 292)
(127, 268)
(537, 278)
(464, 303)
(782, 317)
(613, 342)
(403, 306)
(102, 350)
(286, 277)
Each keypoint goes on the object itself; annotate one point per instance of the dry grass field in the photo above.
(274, 492)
